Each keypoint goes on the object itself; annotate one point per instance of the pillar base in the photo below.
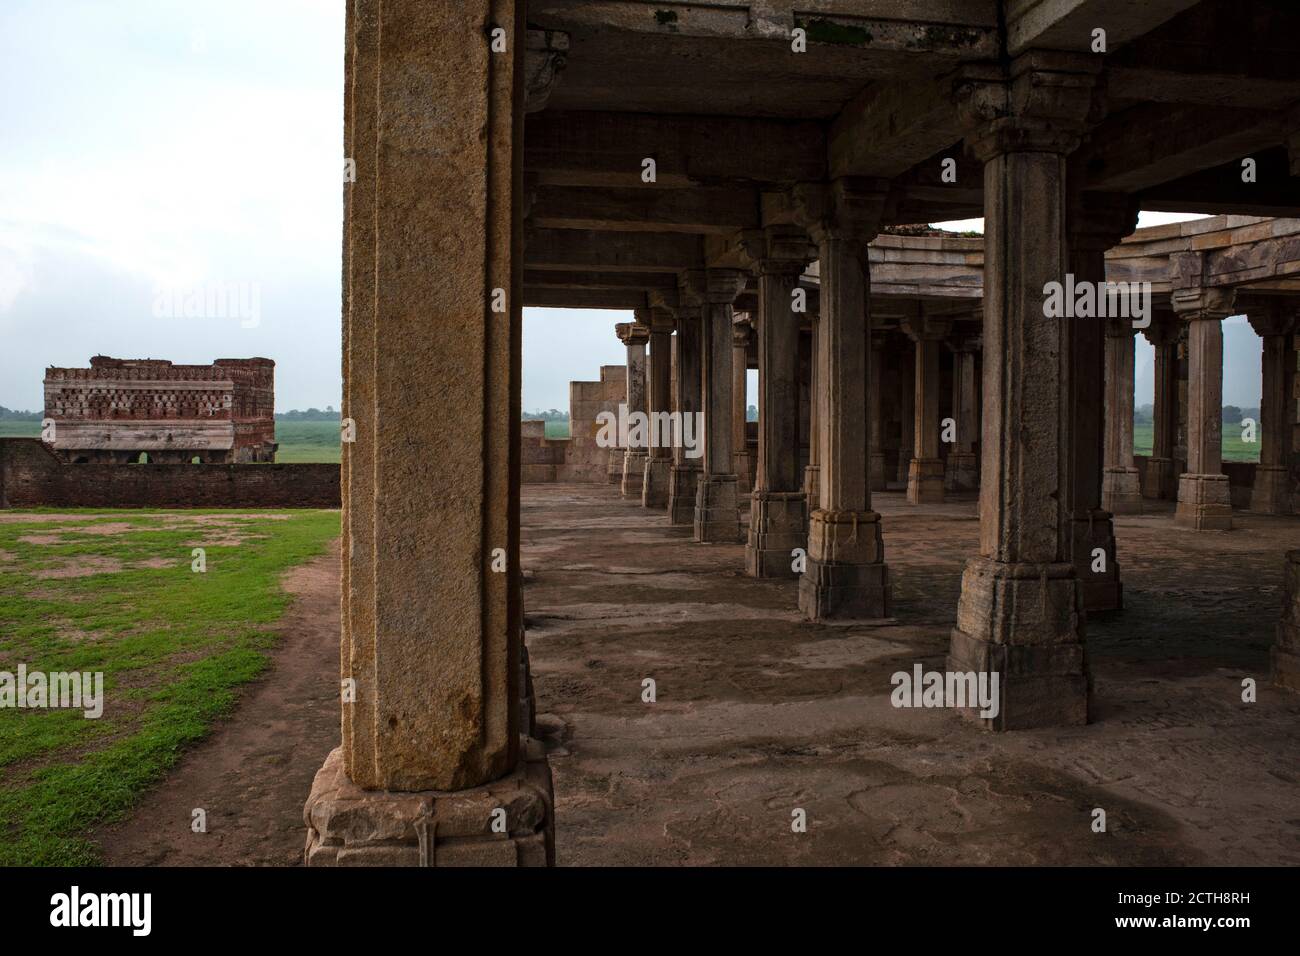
(812, 487)
(682, 485)
(1160, 480)
(654, 483)
(348, 826)
(1204, 503)
(740, 465)
(633, 473)
(1272, 492)
(778, 523)
(925, 481)
(717, 515)
(876, 471)
(961, 472)
(1102, 590)
(614, 470)
(847, 577)
(1121, 493)
(1023, 622)
(1286, 652)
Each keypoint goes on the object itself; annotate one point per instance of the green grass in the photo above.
(557, 429)
(1234, 449)
(173, 645)
(20, 429)
(307, 441)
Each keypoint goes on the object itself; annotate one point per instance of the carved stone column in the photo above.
(658, 465)
(1204, 499)
(717, 497)
(742, 331)
(1121, 491)
(876, 459)
(1020, 610)
(778, 519)
(1272, 491)
(846, 576)
(906, 406)
(1286, 652)
(683, 477)
(812, 472)
(963, 467)
(1160, 481)
(431, 661)
(635, 335)
(925, 472)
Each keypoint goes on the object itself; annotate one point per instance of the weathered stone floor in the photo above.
(759, 712)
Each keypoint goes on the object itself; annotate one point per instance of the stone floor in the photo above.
(759, 713)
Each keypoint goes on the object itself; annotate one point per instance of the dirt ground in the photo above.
(253, 773)
(759, 714)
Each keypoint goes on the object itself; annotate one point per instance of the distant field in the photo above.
(20, 429)
(307, 441)
(1234, 449)
(557, 429)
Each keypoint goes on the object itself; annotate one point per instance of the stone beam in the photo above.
(644, 208)
(1201, 88)
(1220, 190)
(544, 298)
(1151, 144)
(890, 127)
(1068, 24)
(608, 149)
(583, 249)
(663, 282)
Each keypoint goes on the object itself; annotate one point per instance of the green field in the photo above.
(115, 592)
(20, 429)
(1234, 449)
(307, 441)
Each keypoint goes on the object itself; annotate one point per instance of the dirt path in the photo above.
(253, 774)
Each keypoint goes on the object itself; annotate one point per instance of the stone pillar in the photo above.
(925, 471)
(1286, 652)
(682, 479)
(962, 467)
(635, 335)
(812, 472)
(876, 407)
(658, 464)
(717, 498)
(1121, 491)
(1204, 501)
(1019, 615)
(846, 575)
(741, 332)
(777, 517)
(1272, 491)
(1160, 481)
(907, 408)
(431, 650)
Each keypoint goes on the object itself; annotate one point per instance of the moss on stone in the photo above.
(821, 30)
(665, 17)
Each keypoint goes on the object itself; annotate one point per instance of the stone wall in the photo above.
(578, 457)
(31, 476)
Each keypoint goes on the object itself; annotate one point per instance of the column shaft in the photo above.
(716, 499)
(1204, 499)
(658, 465)
(686, 456)
(1271, 493)
(635, 335)
(1120, 490)
(740, 407)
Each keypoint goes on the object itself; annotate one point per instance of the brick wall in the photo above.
(32, 477)
(578, 457)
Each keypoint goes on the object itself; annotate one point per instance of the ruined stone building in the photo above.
(118, 410)
(702, 165)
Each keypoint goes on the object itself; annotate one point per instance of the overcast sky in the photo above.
(155, 148)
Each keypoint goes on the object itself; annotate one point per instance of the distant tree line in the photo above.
(550, 415)
(1232, 414)
(308, 415)
(12, 415)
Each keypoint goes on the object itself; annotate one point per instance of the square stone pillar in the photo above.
(1020, 612)
(658, 465)
(926, 469)
(717, 518)
(846, 575)
(906, 408)
(685, 471)
(1204, 500)
(777, 517)
(635, 335)
(741, 333)
(431, 656)
(1272, 491)
(876, 458)
(962, 472)
(1121, 491)
(812, 471)
(1286, 652)
(1160, 481)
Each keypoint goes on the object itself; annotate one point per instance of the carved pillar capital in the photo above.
(546, 52)
(1200, 303)
(777, 250)
(849, 209)
(634, 333)
(1098, 221)
(1268, 317)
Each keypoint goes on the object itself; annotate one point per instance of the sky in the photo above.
(159, 152)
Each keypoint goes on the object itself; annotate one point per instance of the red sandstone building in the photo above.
(119, 408)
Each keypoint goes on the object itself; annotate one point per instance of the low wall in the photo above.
(32, 477)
